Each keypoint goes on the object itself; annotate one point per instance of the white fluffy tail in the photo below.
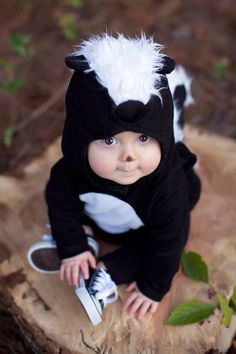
(180, 87)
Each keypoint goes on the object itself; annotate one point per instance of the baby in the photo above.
(124, 177)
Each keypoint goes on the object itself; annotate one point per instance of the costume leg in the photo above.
(123, 264)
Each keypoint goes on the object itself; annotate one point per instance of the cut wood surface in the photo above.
(47, 309)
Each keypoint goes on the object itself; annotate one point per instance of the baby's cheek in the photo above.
(104, 169)
(151, 164)
(101, 167)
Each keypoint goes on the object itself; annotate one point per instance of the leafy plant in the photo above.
(19, 43)
(192, 311)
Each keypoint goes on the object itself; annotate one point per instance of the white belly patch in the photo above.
(110, 213)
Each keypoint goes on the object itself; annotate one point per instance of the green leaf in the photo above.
(8, 136)
(12, 85)
(190, 312)
(19, 43)
(232, 300)
(226, 309)
(194, 266)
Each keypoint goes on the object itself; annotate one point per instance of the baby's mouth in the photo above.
(128, 167)
(128, 172)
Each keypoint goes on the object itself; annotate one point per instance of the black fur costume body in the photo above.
(154, 226)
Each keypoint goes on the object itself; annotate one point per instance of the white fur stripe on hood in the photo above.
(125, 66)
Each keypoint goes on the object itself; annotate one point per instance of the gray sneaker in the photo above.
(96, 293)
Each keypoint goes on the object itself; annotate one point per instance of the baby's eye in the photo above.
(144, 138)
(110, 141)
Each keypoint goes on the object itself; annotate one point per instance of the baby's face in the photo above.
(125, 157)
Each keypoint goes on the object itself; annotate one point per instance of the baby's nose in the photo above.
(129, 158)
(128, 155)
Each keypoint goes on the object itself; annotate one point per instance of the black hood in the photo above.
(92, 114)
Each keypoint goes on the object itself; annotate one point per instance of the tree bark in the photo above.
(46, 310)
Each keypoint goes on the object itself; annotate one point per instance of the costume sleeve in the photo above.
(65, 210)
(166, 235)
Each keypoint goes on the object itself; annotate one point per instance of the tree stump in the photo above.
(47, 310)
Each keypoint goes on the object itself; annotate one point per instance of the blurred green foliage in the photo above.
(79, 3)
(75, 3)
(25, 5)
(19, 43)
(234, 69)
(8, 136)
(67, 24)
(7, 66)
(12, 85)
(223, 67)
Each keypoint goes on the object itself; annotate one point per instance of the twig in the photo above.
(41, 109)
(97, 350)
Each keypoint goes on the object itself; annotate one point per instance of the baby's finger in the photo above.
(92, 261)
(130, 300)
(75, 274)
(131, 286)
(68, 274)
(153, 307)
(62, 272)
(135, 305)
(143, 309)
(85, 269)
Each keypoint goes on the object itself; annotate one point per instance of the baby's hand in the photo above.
(72, 267)
(137, 303)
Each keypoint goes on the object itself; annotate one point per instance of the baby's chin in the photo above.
(126, 179)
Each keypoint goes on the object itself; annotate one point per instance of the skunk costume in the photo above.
(120, 84)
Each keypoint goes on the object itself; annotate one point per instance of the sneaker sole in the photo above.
(48, 244)
(91, 305)
(35, 247)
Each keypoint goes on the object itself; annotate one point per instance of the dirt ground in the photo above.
(35, 36)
